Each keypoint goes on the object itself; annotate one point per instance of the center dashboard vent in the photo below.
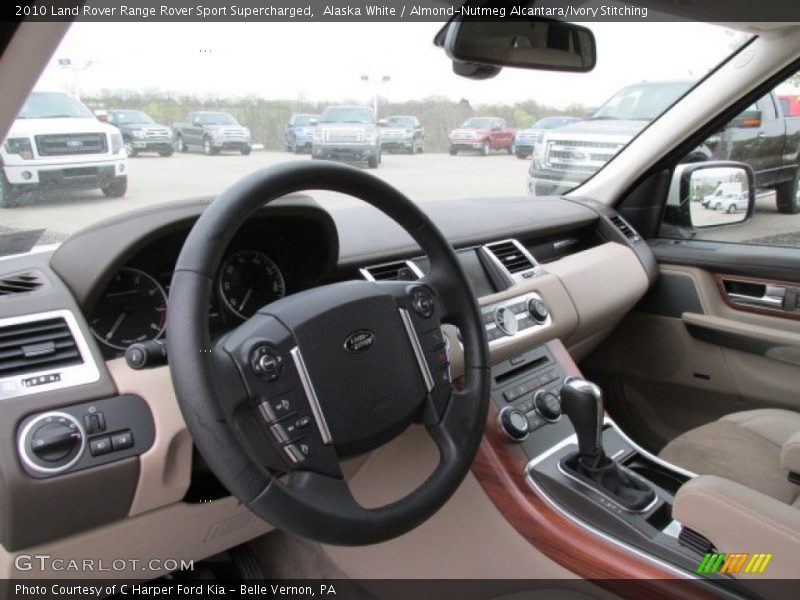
(19, 283)
(513, 257)
(401, 270)
(37, 345)
(626, 228)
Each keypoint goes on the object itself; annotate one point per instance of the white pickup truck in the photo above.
(57, 142)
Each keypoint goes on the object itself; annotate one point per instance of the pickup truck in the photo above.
(483, 134)
(401, 133)
(140, 133)
(347, 133)
(57, 142)
(213, 132)
(761, 136)
(526, 139)
(299, 134)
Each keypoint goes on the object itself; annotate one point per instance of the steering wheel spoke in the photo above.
(278, 417)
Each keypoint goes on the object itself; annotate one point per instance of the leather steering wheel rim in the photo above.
(220, 397)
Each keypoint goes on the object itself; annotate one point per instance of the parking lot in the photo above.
(155, 180)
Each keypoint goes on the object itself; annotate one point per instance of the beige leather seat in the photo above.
(742, 499)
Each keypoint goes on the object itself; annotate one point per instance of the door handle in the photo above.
(773, 297)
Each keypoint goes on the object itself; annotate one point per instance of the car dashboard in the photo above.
(543, 270)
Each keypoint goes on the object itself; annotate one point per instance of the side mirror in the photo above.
(528, 44)
(383, 123)
(196, 122)
(496, 128)
(102, 115)
(313, 122)
(710, 194)
(749, 119)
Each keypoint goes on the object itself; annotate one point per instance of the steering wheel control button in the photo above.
(121, 441)
(294, 454)
(434, 340)
(506, 320)
(100, 445)
(548, 405)
(265, 408)
(422, 302)
(279, 433)
(538, 310)
(266, 362)
(514, 423)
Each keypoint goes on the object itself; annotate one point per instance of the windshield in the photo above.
(345, 114)
(401, 122)
(53, 105)
(216, 119)
(642, 102)
(130, 117)
(355, 72)
(477, 124)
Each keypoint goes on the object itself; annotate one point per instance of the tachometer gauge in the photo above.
(249, 280)
(133, 308)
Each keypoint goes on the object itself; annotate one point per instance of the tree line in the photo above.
(267, 119)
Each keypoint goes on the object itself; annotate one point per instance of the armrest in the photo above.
(790, 454)
(738, 519)
(769, 342)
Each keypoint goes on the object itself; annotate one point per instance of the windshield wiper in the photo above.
(59, 117)
(604, 118)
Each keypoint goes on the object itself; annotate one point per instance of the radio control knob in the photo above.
(548, 404)
(538, 310)
(514, 423)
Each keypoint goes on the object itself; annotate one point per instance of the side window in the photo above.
(714, 204)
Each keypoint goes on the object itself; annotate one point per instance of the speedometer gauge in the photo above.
(133, 308)
(249, 280)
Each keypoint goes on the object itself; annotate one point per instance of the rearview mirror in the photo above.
(711, 194)
(542, 44)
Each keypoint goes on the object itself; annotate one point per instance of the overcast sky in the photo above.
(324, 61)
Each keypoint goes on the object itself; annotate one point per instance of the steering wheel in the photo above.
(326, 373)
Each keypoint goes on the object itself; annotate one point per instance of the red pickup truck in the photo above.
(482, 134)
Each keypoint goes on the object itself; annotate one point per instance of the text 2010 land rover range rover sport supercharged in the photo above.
(313, 370)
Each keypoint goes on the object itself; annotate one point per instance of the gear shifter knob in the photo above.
(582, 402)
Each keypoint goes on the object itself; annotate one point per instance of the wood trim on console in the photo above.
(500, 469)
(772, 312)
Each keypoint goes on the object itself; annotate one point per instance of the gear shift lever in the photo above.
(582, 402)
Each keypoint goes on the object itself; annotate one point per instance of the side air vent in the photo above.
(627, 230)
(43, 352)
(402, 270)
(37, 345)
(513, 257)
(20, 283)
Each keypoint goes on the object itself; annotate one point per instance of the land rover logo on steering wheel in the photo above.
(359, 341)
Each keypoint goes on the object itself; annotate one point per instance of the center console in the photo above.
(582, 463)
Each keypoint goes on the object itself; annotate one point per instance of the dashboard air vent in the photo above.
(512, 256)
(402, 270)
(37, 345)
(627, 230)
(19, 283)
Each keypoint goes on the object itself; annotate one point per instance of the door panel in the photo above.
(685, 356)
